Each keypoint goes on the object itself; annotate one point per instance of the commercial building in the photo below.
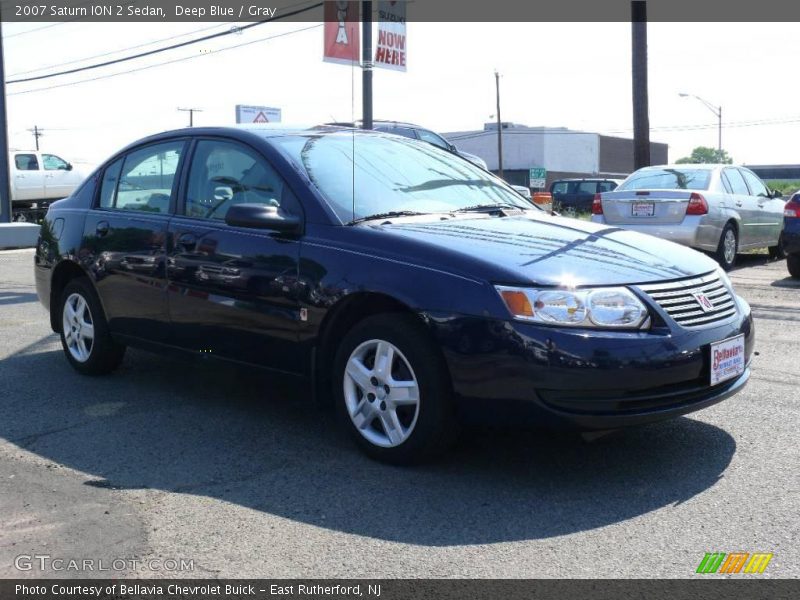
(561, 151)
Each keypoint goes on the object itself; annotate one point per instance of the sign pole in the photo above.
(5, 195)
(366, 54)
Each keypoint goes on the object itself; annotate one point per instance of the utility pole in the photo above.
(367, 65)
(191, 112)
(5, 196)
(641, 119)
(37, 133)
(499, 128)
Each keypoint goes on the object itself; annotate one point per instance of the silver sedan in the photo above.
(722, 209)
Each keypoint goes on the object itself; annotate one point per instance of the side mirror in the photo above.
(262, 216)
(69, 167)
(776, 194)
(453, 148)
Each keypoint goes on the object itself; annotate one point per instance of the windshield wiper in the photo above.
(490, 208)
(387, 215)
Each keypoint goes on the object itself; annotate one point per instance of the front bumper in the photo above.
(510, 372)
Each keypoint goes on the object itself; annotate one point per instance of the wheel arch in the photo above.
(64, 272)
(342, 317)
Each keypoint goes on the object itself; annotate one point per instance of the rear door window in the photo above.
(432, 138)
(606, 186)
(147, 180)
(26, 162)
(404, 131)
(757, 188)
(587, 187)
(737, 182)
(559, 187)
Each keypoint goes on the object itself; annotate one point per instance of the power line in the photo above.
(85, 58)
(164, 49)
(64, 22)
(161, 64)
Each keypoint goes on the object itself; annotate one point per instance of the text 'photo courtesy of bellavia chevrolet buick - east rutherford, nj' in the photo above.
(411, 288)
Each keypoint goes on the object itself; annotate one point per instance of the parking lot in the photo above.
(243, 476)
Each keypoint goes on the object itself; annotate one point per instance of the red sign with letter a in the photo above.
(342, 39)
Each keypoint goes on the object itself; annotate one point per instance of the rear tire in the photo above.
(85, 336)
(728, 247)
(392, 390)
(793, 263)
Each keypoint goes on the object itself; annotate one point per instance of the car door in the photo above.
(59, 179)
(125, 238)
(234, 291)
(28, 182)
(744, 205)
(769, 210)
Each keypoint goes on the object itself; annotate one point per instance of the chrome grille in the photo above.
(678, 300)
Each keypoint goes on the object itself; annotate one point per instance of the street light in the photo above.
(717, 110)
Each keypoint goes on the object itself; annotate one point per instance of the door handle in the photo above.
(102, 228)
(187, 241)
(738, 203)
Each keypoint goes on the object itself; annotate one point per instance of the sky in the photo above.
(575, 75)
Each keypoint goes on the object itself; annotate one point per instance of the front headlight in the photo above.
(607, 308)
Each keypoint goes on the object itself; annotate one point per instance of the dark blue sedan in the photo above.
(408, 286)
(791, 235)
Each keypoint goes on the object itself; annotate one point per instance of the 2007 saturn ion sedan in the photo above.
(409, 285)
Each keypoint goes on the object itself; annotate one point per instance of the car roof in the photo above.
(588, 179)
(379, 121)
(700, 166)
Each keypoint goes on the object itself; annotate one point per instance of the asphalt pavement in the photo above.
(239, 475)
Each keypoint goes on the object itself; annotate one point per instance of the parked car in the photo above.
(577, 195)
(721, 209)
(791, 234)
(38, 177)
(415, 132)
(523, 191)
(410, 301)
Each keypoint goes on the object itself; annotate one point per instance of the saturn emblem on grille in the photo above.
(703, 301)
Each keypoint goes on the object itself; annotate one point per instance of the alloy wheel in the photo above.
(381, 393)
(729, 246)
(78, 327)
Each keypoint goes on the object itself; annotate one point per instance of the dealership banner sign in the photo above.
(342, 40)
(390, 50)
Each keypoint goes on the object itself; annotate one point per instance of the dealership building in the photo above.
(560, 151)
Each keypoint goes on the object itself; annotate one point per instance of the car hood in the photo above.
(551, 250)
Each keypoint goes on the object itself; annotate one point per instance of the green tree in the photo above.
(706, 155)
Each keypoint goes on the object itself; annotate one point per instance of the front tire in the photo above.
(728, 247)
(85, 336)
(793, 263)
(392, 390)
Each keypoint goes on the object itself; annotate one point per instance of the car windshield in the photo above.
(362, 175)
(667, 179)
